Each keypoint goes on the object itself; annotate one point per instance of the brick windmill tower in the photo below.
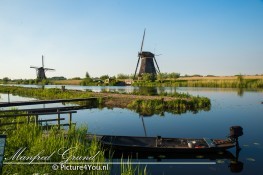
(41, 71)
(147, 60)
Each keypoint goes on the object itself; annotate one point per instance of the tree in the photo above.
(240, 80)
(148, 77)
(123, 76)
(104, 77)
(87, 75)
(5, 80)
(161, 76)
(174, 75)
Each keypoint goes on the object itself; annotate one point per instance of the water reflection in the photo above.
(227, 109)
(144, 90)
(240, 92)
(220, 158)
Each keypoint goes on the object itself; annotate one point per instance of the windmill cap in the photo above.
(146, 54)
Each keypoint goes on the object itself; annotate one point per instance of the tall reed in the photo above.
(222, 83)
(36, 140)
(175, 106)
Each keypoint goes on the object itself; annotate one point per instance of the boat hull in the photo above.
(164, 145)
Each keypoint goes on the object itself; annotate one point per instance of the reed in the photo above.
(175, 103)
(128, 169)
(216, 83)
(52, 93)
(35, 140)
(175, 106)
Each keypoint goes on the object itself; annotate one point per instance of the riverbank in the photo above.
(152, 104)
(238, 81)
(38, 148)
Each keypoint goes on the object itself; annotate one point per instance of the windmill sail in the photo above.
(147, 60)
(41, 70)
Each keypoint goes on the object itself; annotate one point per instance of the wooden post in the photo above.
(63, 88)
(8, 96)
(28, 119)
(36, 119)
(58, 119)
(70, 119)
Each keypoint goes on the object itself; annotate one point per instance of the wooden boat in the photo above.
(172, 145)
(164, 145)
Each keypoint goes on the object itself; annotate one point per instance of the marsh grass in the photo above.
(52, 93)
(239, 82)
(128, 169)
(175, 106)
(35, 140)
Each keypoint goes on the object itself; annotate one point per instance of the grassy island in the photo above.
(142, 103)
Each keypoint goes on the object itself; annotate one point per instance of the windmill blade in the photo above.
(137, 66)
(156, 64)
(139, 54)
(144, 128)
(48, 69)
(34, 67)
(142, 41)
(42, 61)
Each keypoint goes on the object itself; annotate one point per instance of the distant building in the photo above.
(128, 81)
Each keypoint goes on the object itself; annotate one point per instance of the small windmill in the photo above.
(41, 70)
(147, 61)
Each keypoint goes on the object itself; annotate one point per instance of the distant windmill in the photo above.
(41, 70)
(147, 62)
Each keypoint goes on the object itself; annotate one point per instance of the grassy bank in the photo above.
(66, 82)
(35, 141)
(138, 101)
(177, 106)
(51, 145)
(215, 82)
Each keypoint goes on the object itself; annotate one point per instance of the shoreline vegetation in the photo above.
(36, 139)
(55, 145)
(141, 102)
(238, 81)
(162, 80)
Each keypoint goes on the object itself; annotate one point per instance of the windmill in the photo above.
(41, 70)
(147, 61)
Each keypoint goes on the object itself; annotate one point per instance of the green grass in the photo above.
(180, 102)
(35, 140)
(51, 93)
(176, 106)
(238, 83)
(48, 93)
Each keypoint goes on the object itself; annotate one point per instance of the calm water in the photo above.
(229, 107)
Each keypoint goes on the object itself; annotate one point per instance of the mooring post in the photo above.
(28, 118)
(63, 88)
(8, 96)
(58, 119)
(36, 120)
(70, 119)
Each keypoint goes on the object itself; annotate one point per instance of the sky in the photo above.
(207, 37)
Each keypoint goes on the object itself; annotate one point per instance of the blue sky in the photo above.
(219, 37)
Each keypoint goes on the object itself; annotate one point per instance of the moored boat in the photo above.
(172, 145)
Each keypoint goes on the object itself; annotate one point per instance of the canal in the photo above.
(229, 107)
